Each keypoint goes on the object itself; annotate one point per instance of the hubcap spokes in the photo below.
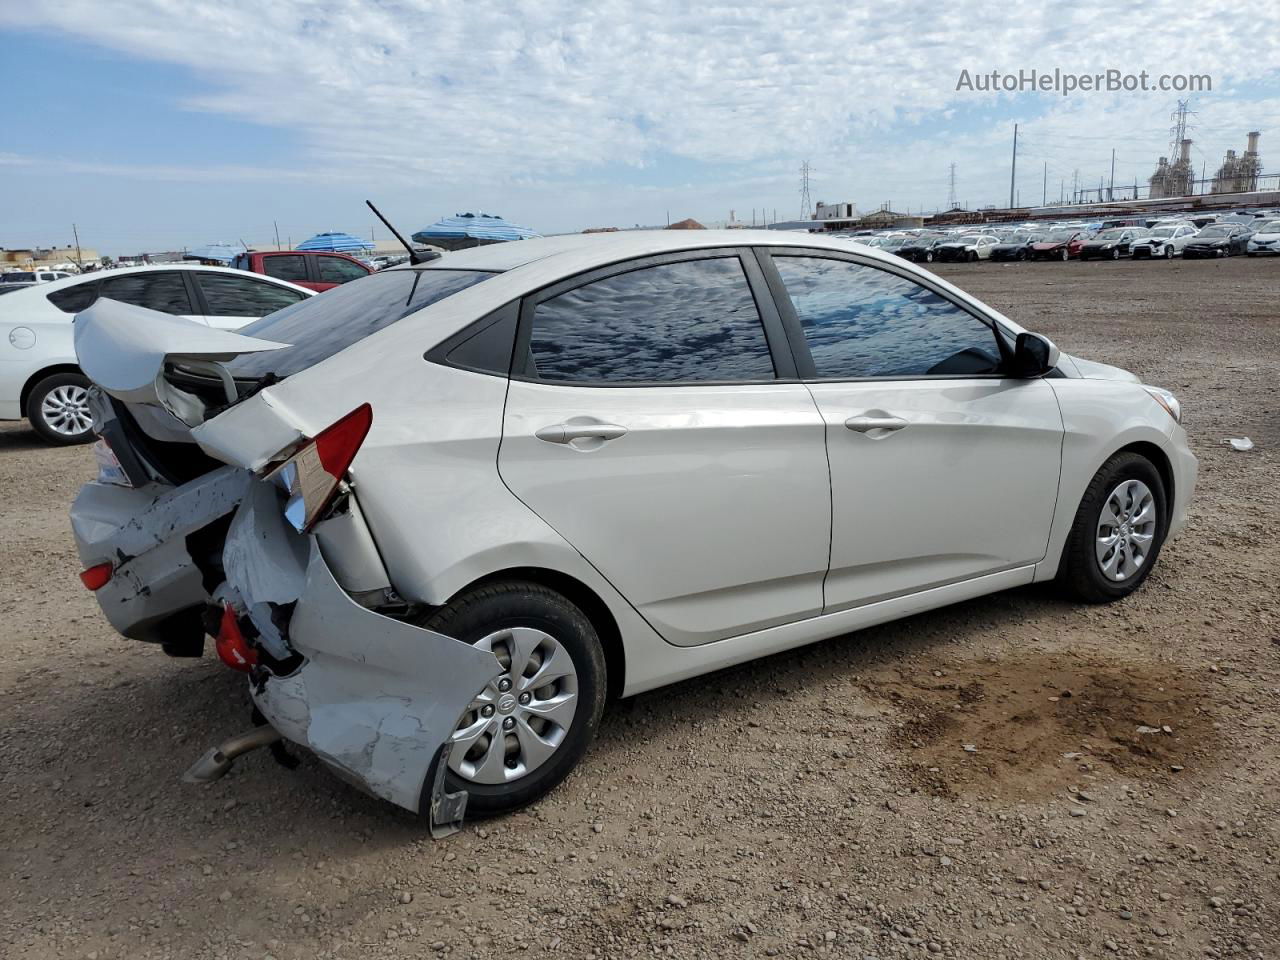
(518, 720)
(1126, 530)
(66, 410)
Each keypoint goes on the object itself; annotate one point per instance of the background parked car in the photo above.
(920, 248)
(972, 246)
(1058, 245)
(1266, 240)
(1112, 244)
(1016, 247)
(1218, 240)
(40, 378)
(311, 269)
(1164, 242)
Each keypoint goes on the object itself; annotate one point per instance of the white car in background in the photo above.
(440, 514)
(1164, 242)
(40, 378)
(1267, 239)
(971, 246)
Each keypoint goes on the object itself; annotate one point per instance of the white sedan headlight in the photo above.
(1166, 400)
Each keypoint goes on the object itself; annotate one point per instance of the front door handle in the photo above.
(568, 432)
(873, 424)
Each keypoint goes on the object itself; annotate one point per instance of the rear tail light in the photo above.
(97, 576)
(312, 475)
(233, 649)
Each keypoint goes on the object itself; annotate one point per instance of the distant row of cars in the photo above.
(1161, 241)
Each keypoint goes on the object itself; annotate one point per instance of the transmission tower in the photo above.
(1178, 132)
(951, 193)
(806, 205)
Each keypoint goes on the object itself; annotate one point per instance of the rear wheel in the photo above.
(524, 732)
(1118, 531)
(58, 409)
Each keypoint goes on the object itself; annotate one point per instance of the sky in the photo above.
(158, 124)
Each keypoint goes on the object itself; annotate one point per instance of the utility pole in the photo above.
(276, 227)
(951, 193)
(76, 234)
(1044, 190)
(1111, 190)
(1075, 186)
(1062, 189)
(1013, 169)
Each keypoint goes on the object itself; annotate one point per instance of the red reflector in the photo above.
(232, 648)
(96, 577)
(338, 443)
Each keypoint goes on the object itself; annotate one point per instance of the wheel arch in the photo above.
(1160, 460)
(49, 371)
(583, 597)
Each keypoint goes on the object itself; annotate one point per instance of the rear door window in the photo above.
(321, 326)
(286, 267)
(339, 269)
(685, 322)
(227, 295)
(165, 291)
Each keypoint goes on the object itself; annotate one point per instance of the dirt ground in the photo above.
(967, 783)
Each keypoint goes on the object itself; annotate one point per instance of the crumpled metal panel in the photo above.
(377, 698)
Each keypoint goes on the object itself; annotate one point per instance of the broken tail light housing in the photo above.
(312, 475)
(97, 576)
(233, 649)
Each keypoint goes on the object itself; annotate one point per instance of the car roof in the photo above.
(577, 252)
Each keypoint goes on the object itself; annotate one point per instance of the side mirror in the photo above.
(1033, 355)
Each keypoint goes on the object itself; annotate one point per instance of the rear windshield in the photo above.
(321, 326)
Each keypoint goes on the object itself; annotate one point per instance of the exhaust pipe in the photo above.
(214, 764)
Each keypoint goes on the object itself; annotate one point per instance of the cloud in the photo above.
(483, 93)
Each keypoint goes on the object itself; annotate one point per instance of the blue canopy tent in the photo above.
(335, 242)
(470, 230)
(217, 251)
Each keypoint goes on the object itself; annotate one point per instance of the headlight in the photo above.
(1107, 246)
(1166, 400)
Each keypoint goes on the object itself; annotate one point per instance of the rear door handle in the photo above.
(870, 424)
(568, 432)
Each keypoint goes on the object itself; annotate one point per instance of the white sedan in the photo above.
(440, 515)
(40, 378)
(1164, 242)
(1266, 239)
(971, 247)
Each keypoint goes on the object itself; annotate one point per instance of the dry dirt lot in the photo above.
(819, 803)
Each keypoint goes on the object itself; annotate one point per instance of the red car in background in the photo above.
(1059, 245)
(307, 268)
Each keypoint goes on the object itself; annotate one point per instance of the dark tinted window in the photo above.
(231, 296)
(339, 270)
(319, 327)
(165, 291)
(864, 322)
(74, 299)
(17, 277)
(285, 268)
(678, 322)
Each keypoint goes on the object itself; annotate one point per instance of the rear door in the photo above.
(942, 469)
(654, 420)
(231, 301)
(334, 270)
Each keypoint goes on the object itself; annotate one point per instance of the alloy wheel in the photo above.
(1126, 530)
(65, 410)
(518, 721)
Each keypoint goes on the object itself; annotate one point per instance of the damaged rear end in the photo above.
(219, 510)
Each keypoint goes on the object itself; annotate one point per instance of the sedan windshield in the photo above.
(1111, 234)
(1217, 231)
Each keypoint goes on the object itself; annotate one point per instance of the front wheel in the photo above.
(524, 732)
(973, 256)
(1064, 256)
(1168, 253)
(1115, 254)
(1118, 530)
(928, 257)
(58, 409)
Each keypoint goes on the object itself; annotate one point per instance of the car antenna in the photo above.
(414, 257)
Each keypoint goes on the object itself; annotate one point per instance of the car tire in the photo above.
(489, 611)
(1168, 253)
(58, 409)
(1115, 254)
(928, 257)
(1123, 485)
(973, 256)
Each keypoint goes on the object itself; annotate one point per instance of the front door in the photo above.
(941, 468)
(645, 423)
